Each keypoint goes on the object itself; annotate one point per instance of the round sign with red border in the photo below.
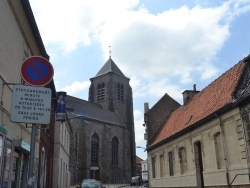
(37, 71)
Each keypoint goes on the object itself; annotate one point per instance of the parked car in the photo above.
(136, 181)
(91, 183)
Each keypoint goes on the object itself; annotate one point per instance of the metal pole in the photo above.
(32, 156)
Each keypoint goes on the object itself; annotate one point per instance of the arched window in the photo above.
(219, 151)
(153, 167)
(95, 149)
(101, 92)
(120, 92)
(162, 165)
(171, 163)
(115, 146)
(183, 160)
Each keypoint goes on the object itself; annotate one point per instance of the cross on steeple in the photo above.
(109, 51)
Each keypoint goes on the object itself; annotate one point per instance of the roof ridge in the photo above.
(223, 74)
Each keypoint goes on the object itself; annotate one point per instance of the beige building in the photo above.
(205, 141)
(19, 39)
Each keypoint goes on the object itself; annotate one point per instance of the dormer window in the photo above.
(101, 92)
(120, 92)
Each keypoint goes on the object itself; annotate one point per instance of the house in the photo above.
(205, 141)
(19, 40)
(144, 169)
(61, 153)
(138, 170)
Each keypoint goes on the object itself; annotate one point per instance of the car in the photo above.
(136, 180)
(91, 183)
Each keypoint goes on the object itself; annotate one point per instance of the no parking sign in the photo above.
(37, 71)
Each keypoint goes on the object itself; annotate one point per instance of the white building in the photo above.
(61, 155)
(144, 169)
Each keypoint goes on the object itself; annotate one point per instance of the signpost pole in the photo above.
(35, 71)
(32, 156)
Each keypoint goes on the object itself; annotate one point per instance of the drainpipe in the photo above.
(224, 148)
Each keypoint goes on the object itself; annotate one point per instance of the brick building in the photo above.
(103, 144)
(138, 171)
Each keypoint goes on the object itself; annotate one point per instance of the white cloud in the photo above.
(139, 129)
(76, 87)
(171, 43)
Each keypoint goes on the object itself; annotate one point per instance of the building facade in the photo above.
(144, 169)
(138, 171)
(205, 141)
(19, 40)
(61, 154)
(103, 143)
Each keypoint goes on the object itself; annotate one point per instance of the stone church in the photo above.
(102, 143)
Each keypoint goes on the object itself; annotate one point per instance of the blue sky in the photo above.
(163, 46)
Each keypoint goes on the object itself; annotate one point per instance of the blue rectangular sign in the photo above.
(61, 106)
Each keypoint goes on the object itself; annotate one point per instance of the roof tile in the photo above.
(212, 98)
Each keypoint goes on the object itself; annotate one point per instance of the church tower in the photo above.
(110, 88)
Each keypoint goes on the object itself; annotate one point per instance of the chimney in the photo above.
(188, 94)
(146, 108)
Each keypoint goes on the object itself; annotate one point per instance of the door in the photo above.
(198, 164)
(94, 174)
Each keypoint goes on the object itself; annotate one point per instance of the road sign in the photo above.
(37, 71)
(31, 104)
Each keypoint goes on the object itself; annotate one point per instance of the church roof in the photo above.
(211, 99)
(92, 111)
(109, 66)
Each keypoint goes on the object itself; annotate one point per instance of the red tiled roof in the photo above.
(138, 160)
(212, 98)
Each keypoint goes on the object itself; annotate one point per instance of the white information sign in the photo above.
(31, 104)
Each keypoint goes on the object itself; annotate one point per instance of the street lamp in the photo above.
(145, 149)
(77, 117)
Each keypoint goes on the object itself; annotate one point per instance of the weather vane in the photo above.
(109, 51)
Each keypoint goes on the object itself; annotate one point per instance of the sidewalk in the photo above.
(107, 185)
(114, 185)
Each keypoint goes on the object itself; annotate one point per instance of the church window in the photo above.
(183, 160)
(115, 146)
(219, 151)
(153, 167)
(95, 149)
(171, 163)
(101, 92)
(120, 92)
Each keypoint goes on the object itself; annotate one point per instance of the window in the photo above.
(101, 92)
(219, 151)
(161, 165)
(153, 167)
(171, 163)
(94, 149)
(183, 160)
(120, 92)
(115, 146)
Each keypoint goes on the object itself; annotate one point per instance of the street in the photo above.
(116, 186)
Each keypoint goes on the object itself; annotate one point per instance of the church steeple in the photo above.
(109, 66)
